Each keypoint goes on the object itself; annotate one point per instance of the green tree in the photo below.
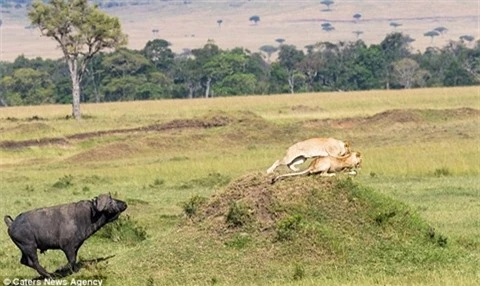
(125, 62)
(187, 76)
(395, 46)
(81, 30)
(310, 66)
(27, 86)
(128, 66)
(237, 84)
(159, 53)
(289, 58)
(225, 64)
(257, 66)
(203, 58)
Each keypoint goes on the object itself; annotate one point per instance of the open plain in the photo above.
(202, 210)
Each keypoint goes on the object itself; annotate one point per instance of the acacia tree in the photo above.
(254, 19)
(327, 3)
(269, 50)
(81, 30)
(431, 34)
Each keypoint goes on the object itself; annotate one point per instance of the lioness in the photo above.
(314, 147)
(329, 166)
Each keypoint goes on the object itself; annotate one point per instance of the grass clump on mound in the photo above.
(321, 222)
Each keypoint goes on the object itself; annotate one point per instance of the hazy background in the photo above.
(191, 25)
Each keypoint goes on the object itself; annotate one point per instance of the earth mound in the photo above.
(392, 117)
(312, 217)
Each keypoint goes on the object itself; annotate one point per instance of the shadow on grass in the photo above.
(66, 270)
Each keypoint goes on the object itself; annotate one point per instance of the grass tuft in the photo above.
(191, 206)
(124, 230)
(238, 215)
(64, 182)
(442, 172)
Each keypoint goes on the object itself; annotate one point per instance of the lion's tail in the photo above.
(289, 175)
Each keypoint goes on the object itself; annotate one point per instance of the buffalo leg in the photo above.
(30, 259)
(71, 254)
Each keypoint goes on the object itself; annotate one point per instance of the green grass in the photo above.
(430, 164)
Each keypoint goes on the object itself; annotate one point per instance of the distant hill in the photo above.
(190, 24)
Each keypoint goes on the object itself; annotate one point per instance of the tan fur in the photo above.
(314, 147)
(329, 166)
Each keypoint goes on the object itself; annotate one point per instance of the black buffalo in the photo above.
(63, 227)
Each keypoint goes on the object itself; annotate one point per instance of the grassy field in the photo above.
(420, 148)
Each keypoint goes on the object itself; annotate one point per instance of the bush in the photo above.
(191, 206)
(298, 272)
(124, 230)
(157, 183)
(288, 227)
(29, 189)
(238, 241)
(238, 214)
(64, 182)
(441, 172)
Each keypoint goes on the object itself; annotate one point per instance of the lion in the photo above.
(329, 166)
(314, 147)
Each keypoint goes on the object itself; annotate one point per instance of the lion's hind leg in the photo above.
(273, 167)
(297, 161)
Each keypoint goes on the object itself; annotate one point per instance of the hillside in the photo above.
(300, 228)
(191, 25)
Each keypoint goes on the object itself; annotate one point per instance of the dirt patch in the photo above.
(33, 142)
(267, 204)
(304, 108)
(253, 191)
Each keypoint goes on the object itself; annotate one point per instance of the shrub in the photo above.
(191, 206)
(238, 241)
(29, 189)
(64, 182)
(238, 214)
(439, 239)
(383, 217)
(442, 172)
(157, 182)
(298, 272)
(124, 230)
(288, 227)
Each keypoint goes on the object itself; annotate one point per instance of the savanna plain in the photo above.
(202, 210)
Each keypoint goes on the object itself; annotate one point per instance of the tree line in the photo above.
(156, 72)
